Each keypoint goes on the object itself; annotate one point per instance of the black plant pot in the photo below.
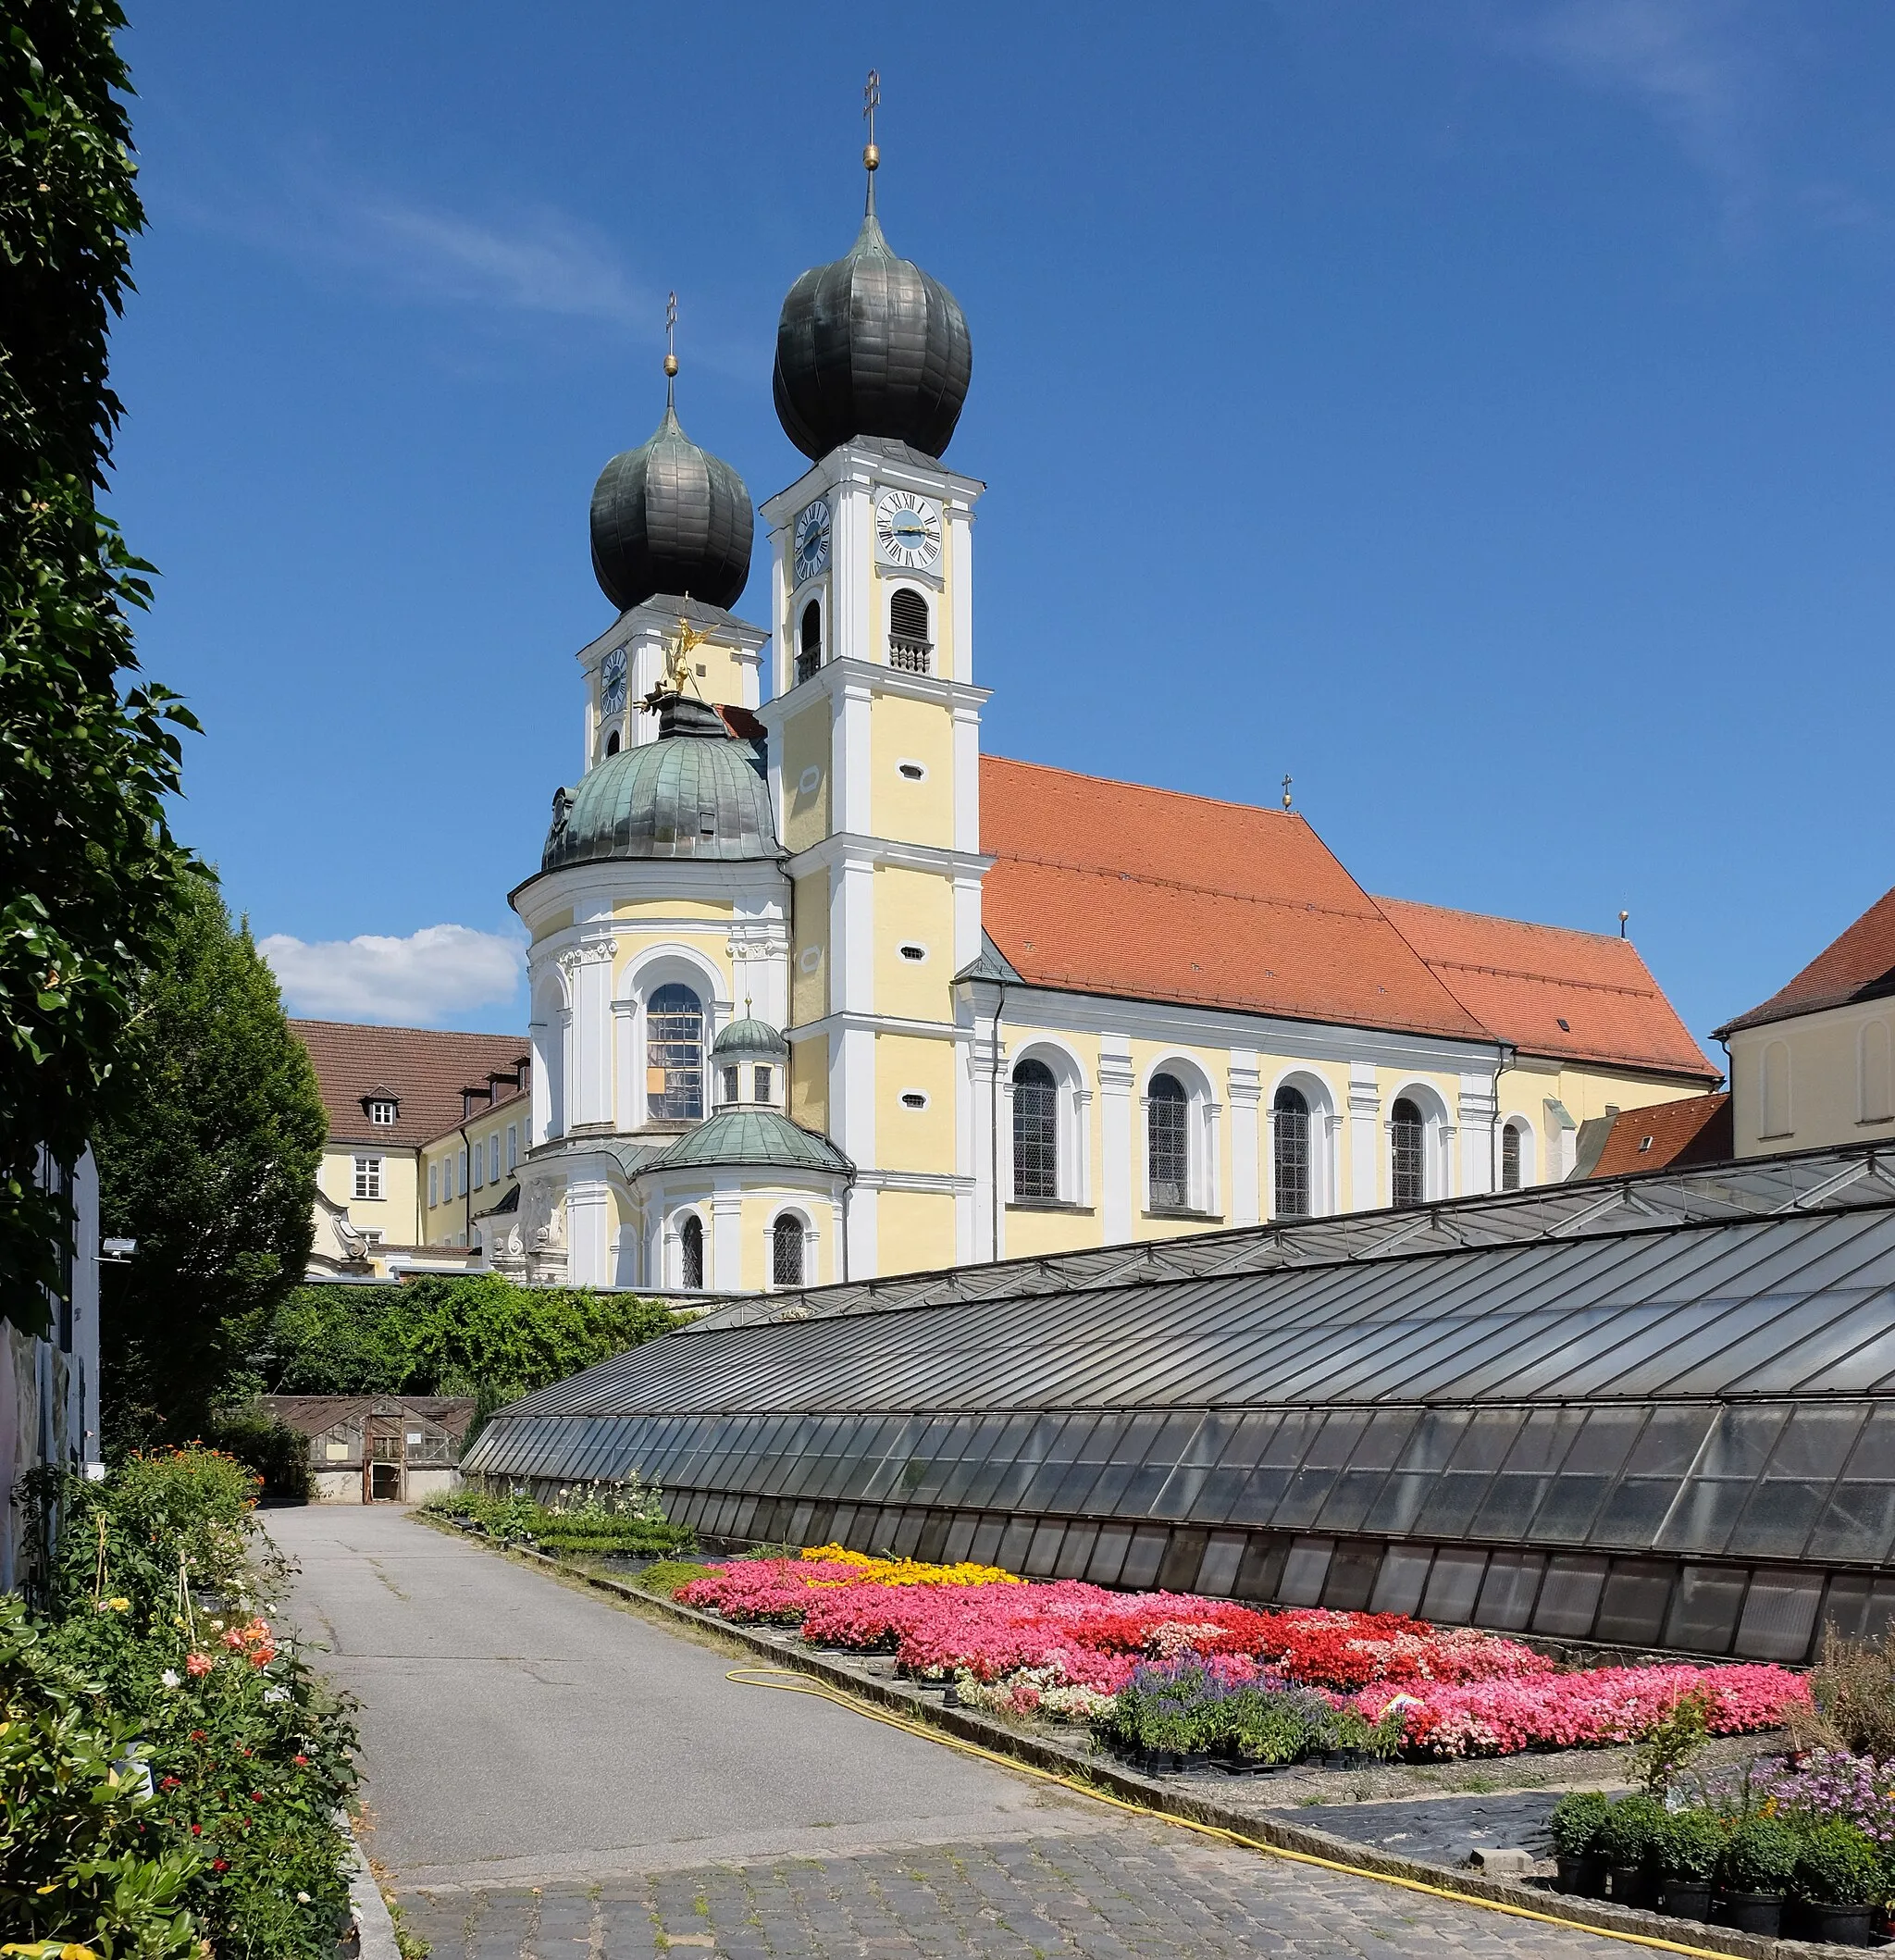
(1752, 1911)
(1839, 1925)
(1584, 1878)
(1685, 1898)
(1633, 1885)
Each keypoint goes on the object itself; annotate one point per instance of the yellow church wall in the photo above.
(557, 921)
(395, 1214)
(1032, 1232)
(1830, 1101)
(914, 1230)
(806, 742)
(913, 908)
(915, 1139)
(809, 1084)
(913, 731)
(808, 951)
(669, 907)
(1586, 1092)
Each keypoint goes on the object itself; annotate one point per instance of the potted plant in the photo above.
(1627, 1840)
(1754, 1872)
(1686, 1849)
(1839, 1880)
(1574, 1828)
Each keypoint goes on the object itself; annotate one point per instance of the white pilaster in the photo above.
(727, 1239)
(588, 1232)
(1246, 1091)
(588, 973)
(1364, 1139)
(1474, 1117)
(1118, 1172)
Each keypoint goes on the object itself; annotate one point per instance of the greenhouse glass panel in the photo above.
(907, 1532)
(1635, 1511)
(988, 1535)
(1777, 1520)
(1076, 1551)
(1434, 1440)
(1305, 1571)
(1451, 1504)
(1859, 1607)
(1002, 1445)
(1109, 1555)
(1404, 1574)
(1404, 1495)
(1336, 1441)
(1488, 1438)
(1349, 1501)
(1779, 1614)
(1508, 1508)
(1704, 1608)
(1565, 1514)
(1570, 1593)
(1509, 1590)
(1262, 1570)
(1543, 1440)
(1284, 1449)
(1632, 1608)
(1384, 1439)
(1144, 1556)
(1670, 1443)
(1454, 1585)
(1701, 1519)
(1249, 1439)
(1601, 1447)
(1858, 1524)
(1350, 1579)
(1817, 1443)
(1740, 1442)
(1184, 1561)
(1304, 1497)
(1223, 1557)
(1042, 1551)
(1262, 1492)
(1874, 1456)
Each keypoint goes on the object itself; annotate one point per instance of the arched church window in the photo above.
(909, 645)
(1035, 1134)
(1290, 1138)
(691, 1248)
(786, 1251)
(674, 1055)
(1167, 1143)
(1510, 1158)
(810, 653)
(1407, 1156)
(612, 743)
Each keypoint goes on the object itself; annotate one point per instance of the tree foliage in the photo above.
(211, 1168)
(442, 1335)
(88, 867)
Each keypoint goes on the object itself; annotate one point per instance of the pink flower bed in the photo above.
(1462, 1692)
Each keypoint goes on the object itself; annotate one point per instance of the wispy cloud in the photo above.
(1697, 66)
(431, 976)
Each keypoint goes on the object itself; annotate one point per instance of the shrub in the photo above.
(669, 1574)
(1577, 1822)
(1838, 1867)
(1672, 1738)
(1687, 1844)
(275, 1452)
(1853, 1697)
(1759, 1856)
(1629, 1830)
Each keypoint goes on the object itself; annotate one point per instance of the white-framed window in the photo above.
(1418, 1134)
(369, 1177)
(1293, 1158)
(513, 1146)
(786, 1250)
(1516, 1154)
(1044, 1109)
(766, 1081)
(463, 1170)
(909, 646)
(1181, 1138)
(479, 1166)
(447, 1180)
(494, 1159)
(433, 1185)
(1035, 1134)
(727, 1084)
(380, 1111)
(691, 1253)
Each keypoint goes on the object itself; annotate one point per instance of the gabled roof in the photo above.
(1114, 888)
(423, 1069)
(1693, 1130)
(1549, 990)
(1860, 965)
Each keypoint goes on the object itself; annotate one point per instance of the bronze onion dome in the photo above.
(870, 345)
(671, 517)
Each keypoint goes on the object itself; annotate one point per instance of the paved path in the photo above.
(550, 1776)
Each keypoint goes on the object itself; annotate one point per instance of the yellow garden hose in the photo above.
(793, 1683)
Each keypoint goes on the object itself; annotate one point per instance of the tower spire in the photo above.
(871, 156)
(670, 347)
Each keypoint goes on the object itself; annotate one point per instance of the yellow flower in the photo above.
(119, 1606)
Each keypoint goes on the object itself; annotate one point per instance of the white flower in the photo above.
(276, 1694)
(303, 1898)
(171, 1677)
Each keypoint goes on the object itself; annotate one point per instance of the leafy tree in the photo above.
(88, 868)
(445, 1335)
(211, 1169)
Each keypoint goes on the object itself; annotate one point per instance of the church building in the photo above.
(820, 992)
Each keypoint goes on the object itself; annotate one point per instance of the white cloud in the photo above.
(432, 976)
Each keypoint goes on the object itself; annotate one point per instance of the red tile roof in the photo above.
(424, 1069)
(1860, 965)
(1105, 887)
(1549, 990)
(1694, 1130)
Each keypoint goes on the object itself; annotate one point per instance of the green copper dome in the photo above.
(750, 1036)
(696, 792)
(762, 1137)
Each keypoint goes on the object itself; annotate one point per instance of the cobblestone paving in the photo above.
(1443, 1829)
(1130, 1890)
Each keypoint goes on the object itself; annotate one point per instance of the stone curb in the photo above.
(375, 1930)
(1148, 1794)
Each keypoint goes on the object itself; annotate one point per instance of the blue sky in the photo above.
(1480, 411)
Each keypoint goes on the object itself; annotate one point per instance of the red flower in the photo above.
(302, 1762)
(169, 1782)
(197, 1830)
(220, 1863)
(256, 1796)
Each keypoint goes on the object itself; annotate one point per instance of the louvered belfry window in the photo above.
(1035, 1134)
(909, 645)
(1168, 1146)
(1290, 1153)
(673, 1056)
(1407, 1161)
(810, 656)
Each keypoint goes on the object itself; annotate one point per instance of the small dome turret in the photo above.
(870, 345)
(745, 1038)
(671, 517)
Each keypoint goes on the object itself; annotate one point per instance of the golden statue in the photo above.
(677, 661)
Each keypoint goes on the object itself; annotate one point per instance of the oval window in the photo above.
(914, 1100)
(911, 772)
(911, 952)
(807, 782)
(809, 959)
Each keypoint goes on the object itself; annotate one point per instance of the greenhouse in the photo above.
(1649, 1412)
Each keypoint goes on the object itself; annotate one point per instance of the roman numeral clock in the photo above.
(908, 530)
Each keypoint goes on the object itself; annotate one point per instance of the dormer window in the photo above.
(381, 1111)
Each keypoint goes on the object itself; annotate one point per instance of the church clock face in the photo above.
(811, 540)
(908, 530)
(612, 681)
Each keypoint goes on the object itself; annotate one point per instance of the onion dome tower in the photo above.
(870, 345)
(671, 517)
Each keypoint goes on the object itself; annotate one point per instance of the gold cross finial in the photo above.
(670, 343)
(1287, 781)
(871, 156)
